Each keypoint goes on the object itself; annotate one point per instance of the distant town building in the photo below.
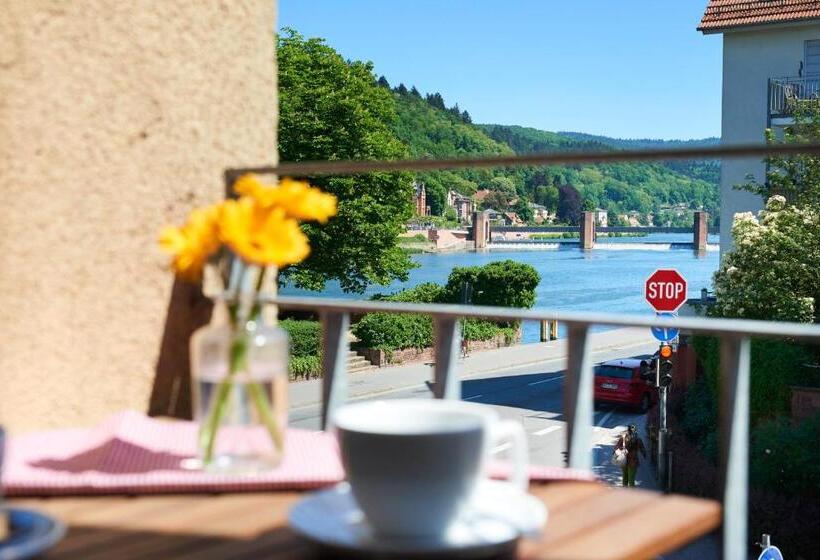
(494, 217)
(479, 196)
(511, 219)
(540, 214)
(420, 199)
(463, 205)
(601, 218)
(771, 63)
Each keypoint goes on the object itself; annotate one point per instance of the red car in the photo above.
(629, 381)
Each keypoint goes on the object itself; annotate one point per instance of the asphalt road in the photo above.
(532, 395)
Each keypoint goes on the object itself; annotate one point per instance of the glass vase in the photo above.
(240, 376)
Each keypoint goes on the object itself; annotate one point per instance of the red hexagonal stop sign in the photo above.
(665, 290)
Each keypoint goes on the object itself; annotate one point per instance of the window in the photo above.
(811, 54)
(613, 371)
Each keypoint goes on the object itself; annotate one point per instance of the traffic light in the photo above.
(665, 365)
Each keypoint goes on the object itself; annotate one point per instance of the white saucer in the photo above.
(492, 522)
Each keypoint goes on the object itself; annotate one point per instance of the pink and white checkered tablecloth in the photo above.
(130, 453)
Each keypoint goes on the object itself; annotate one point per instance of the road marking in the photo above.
(604, 418)
(547, 430)
(507, 369)
(545, 380)
(473, 397)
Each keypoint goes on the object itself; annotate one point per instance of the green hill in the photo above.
(624, 187)
(707, 170)
(430, 129)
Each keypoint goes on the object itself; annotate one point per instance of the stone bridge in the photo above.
(481, 230)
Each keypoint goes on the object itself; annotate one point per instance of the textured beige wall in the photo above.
(115, 118)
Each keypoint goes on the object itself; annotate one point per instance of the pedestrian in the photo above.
(631, 442)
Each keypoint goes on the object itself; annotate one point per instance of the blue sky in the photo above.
(625, 68)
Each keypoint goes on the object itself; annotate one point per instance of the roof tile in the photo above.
(730, 14)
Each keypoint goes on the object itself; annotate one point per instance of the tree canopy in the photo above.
(330, 108)
(773, 272)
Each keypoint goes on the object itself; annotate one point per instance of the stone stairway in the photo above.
(358, 364)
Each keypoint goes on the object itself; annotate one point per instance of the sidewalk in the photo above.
(604, 445)
(387, 379)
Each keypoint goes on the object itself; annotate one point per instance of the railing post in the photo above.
(734, 444)
(447, 332)
(578, 398)
(335, 346)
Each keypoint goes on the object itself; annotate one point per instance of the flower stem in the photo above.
(238, 362)
(260, 400)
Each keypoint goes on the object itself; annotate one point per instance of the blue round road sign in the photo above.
(664, 334)
(771, 553)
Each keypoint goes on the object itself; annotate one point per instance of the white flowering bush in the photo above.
(774, 271)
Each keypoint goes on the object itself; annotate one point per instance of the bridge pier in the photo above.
(700, 231)
(587, 225)
(481, 230)
(549, 330)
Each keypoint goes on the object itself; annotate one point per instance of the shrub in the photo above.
(428, 292)
(699, 417)
(387, 331)
(786, 456)
(503, 283)
(305, 367)
(305, 337)
(775, 365)
(476, 329)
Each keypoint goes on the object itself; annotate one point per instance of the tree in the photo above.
(797, 177)
(503, 283)
(383, 82)
(503, 185)
(569, 205)
(465, 116)
(495, 200)
(334, 109)
(401, 89)
(522, 208)
(415, 92)
(547, 196)
(774, 270)
(436, 100)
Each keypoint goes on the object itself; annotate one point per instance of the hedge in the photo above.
(305, 337)
(387, 331)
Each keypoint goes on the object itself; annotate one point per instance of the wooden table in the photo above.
(586, 520)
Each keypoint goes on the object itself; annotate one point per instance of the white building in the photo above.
(601, 217)
(771, 57)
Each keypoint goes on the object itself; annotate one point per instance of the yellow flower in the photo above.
(192, 244)
(260, 235)
(297, 198)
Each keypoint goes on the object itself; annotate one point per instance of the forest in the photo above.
(669, 191)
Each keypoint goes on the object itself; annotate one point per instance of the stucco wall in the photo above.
(115, 118)
(750, 58)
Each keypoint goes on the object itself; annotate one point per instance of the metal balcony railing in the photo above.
(785, 94)
(735, 338)
(735, 335)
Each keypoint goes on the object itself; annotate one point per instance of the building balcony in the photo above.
(787, 94)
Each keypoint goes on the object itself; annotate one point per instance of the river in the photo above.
(571, 280)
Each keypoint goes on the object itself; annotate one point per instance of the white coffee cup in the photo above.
(413, 464)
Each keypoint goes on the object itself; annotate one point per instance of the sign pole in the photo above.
(662, 465)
